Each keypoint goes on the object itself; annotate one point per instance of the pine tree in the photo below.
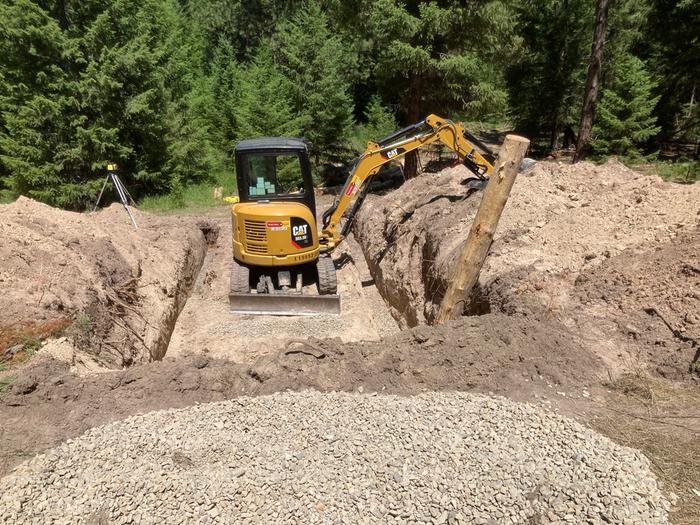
(265, 106)
(671, 52)
(225, 82)
(32, 88)
(109, 82)
(317, 63)
(626, 110)
(244, 25)
(192, 149)
(546, 85)
(380, 122)
(439, 57)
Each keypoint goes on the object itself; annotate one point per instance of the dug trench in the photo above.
(586, 306)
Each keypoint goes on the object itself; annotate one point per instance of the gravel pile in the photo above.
(338, 458)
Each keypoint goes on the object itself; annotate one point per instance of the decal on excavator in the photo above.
(277, 225)
(393, 153)
(352, 186)
(301, 233)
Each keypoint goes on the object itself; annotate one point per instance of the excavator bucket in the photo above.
(284, 304)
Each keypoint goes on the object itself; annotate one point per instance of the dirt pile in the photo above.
(560, 220)
(648, 302)
(113, 291)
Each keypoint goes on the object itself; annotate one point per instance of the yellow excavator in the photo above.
(278, 250)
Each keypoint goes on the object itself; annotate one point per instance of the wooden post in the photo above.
(495, 196)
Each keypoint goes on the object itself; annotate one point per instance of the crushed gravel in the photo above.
(289, 326)
(437, 458)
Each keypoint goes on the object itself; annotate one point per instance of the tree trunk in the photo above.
(410, 165)
(554, 135)
(692, 101)
(591, 93)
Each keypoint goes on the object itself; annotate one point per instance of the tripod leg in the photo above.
(122, 197)
(125, 191)
(99, 198)
(133, 202)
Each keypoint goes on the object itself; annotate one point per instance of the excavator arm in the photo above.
(432, 129)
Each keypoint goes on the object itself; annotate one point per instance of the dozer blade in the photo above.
(284, 304)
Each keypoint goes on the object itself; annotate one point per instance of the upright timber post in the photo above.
(483, 228)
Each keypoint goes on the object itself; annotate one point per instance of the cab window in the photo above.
(273, 174)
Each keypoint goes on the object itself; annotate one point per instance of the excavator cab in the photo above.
(274, 168)
(276, 250)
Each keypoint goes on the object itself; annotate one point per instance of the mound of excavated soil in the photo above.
(494, 353)
(560, 219)
(113, 290)
(609, 255)
(649, 303)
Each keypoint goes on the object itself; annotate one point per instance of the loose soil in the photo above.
(560, 220)
(207, 324)
(592, 279)
(50, 403)
(117, 291)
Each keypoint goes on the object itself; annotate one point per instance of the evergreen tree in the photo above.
(265, 106)
(192, 148)
(242, 24)
(225, 82)
(109, 85)
(671, 51)
(546, 85)
(626, 28)
(32, 46)
(626, 110)
(380, 122)
(317, 65)
(440, 57)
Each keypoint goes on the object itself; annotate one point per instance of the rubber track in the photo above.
(327, 280)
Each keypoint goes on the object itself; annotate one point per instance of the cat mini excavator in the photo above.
(277, 246)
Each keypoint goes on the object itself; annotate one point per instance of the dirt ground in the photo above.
(206, 324)
(113, 290)
(559, 220)
(588, 304)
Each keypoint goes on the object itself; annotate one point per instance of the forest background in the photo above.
(165, 88)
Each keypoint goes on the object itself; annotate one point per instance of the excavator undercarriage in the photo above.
(282, 291)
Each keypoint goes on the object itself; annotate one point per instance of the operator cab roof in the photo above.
(272, 143)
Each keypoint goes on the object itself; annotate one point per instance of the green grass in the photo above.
(7, 196)
(31, 345)
(682, 171)
(5, 383)
(688, 171)
(191, 197)
(83, 322)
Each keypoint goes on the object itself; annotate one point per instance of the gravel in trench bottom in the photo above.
(338, 458)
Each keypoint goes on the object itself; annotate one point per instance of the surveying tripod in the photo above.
(121, 190)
